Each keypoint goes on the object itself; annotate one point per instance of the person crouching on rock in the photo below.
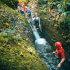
(60, 54)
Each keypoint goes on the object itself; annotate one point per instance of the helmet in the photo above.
(29, 11)
(19, 4)
(58, 44)
(36, 13)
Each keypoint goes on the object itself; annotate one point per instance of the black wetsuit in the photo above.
(36, 23)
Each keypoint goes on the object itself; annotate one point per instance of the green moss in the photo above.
(16, 49)
(10, 3)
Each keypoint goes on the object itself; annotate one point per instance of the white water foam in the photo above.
(40, 41)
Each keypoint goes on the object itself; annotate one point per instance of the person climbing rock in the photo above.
(29, 12)
(19, 8)
(36, 23)
(24, 9)
(60, 54)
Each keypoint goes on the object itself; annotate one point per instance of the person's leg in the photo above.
(24, 13)
(33, 28)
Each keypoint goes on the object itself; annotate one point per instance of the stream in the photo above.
(44, 49)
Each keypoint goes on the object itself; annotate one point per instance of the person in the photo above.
(29, 12)
(60, 53)
(24, 9)
(19, 8)
(36, 20)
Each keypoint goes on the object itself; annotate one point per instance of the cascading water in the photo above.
(38, 39)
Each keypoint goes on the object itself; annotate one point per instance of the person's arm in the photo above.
(18, 9)
(39, 20)
(59, 65)
(40, 25)
(55, 51)
(33, 25)
(33, 18)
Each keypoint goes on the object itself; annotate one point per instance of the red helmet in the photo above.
(36, 13)
(58, 44)
(19, 4)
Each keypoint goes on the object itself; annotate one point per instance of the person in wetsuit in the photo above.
(36, 21)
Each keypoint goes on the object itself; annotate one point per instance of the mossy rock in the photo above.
(11, 44)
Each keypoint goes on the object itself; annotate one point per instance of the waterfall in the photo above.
(36, 34)
(38, 39)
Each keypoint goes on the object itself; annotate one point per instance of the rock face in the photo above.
(16, 48)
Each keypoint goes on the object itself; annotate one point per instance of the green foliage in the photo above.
(58, 30)
(42, 1)
(11, 3)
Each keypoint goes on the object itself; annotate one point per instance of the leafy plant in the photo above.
(11, 3)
